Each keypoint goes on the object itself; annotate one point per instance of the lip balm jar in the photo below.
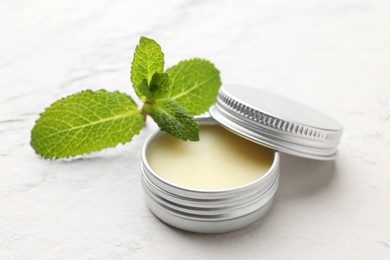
(194, 199)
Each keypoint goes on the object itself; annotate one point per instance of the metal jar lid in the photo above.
(277, 122)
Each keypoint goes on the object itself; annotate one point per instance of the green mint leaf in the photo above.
(159, 80)
(193, 84)
(148, 59)
(85, 122)
(173, 119)
(143, 88)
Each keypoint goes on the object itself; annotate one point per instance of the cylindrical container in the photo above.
(208, 211)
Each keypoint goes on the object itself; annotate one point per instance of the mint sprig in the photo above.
(90, 121)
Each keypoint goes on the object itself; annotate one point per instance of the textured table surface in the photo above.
(334, 55)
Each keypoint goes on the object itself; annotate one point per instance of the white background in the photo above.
(334, 55)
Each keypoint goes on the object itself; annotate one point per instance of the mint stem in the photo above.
(144, 114)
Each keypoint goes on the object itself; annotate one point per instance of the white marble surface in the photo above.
(334, 55)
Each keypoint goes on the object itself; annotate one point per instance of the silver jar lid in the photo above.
(277, 122)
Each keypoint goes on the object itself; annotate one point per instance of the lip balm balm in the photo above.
(219, 160)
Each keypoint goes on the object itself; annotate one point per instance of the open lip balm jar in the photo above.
(229, 178)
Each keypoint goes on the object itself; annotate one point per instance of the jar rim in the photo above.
(240, 188)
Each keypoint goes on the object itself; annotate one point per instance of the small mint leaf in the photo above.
(193, 84)
(86, 122)
(173, 119)
(148, 59)
(159, 81)
(144, 91)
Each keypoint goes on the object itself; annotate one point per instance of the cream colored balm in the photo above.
(220, 160)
